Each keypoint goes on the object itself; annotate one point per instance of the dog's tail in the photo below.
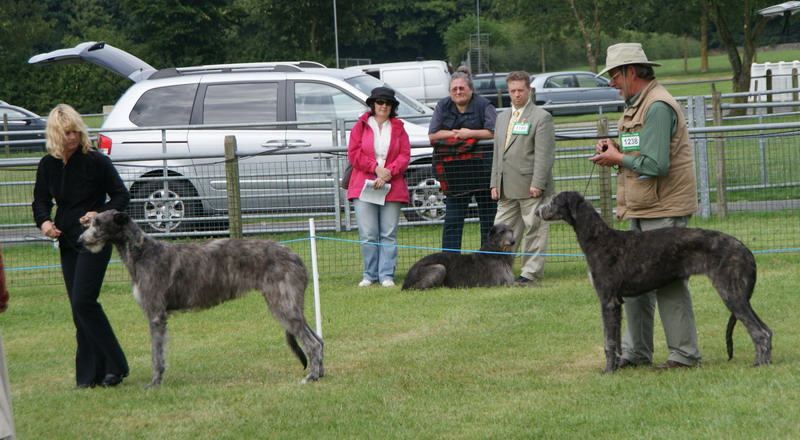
(296, 349)
(729, 336)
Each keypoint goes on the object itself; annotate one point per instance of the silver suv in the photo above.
(294, 96)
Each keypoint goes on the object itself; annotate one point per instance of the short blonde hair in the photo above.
(64, 118)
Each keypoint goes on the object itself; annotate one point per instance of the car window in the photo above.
(241, 103)
(483, 84)
(562, 81)
(408, 106)
(432, 76)
(321, 102)
(590, 81)
(12, 114)
(171, 105)
(402, 78)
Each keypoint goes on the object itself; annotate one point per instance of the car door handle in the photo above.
(275, 143)
(297, 143)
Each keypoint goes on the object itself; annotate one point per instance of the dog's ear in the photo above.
(573, 201)
(121, 218)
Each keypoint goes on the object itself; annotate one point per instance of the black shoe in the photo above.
(112, 380)
(671, 365)
(625, 363)
(521, 280)
(82, 386)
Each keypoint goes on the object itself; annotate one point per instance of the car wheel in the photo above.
(426, 195)
(165, 210)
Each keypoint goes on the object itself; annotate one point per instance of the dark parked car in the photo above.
(492, 86)
(573, 88)
(19, 119)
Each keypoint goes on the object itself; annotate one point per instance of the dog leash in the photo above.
(589, 180)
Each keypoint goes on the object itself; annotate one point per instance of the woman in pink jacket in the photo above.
(379, 151)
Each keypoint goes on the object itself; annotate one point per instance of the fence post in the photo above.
(719, 149)
(604, 176)
(794, 86)
(696, 106)
(232, 186)
(337, 173)
(5, 128)
(769, 89)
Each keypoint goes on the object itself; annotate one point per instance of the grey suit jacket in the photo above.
(528, 160)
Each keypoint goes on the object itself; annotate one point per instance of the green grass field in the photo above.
(515, 363)
(503, 363)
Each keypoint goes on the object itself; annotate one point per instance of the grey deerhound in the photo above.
(627, 263)
(169, 278)
(451, 269)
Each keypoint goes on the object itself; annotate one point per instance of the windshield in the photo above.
(408, 107)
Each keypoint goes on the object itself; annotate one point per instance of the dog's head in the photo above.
(501, 237)
(564, 206)
(105, 227)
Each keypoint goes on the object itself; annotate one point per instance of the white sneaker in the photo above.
(365, 283)
(387, 283)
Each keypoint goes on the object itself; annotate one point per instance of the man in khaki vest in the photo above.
(656, 188)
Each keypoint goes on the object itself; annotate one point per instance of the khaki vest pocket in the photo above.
(641, 192)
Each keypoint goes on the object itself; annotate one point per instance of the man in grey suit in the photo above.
(522, 176)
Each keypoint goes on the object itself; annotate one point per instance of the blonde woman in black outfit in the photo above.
(80, 180)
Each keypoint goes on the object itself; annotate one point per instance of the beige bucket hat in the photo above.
(623, 54)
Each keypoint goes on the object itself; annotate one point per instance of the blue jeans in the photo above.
(456, 212)
(378, 224)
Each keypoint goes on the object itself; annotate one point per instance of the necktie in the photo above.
(511, 123)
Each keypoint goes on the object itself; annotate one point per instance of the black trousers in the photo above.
(99, 352)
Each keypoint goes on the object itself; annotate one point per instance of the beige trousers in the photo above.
(529, 231)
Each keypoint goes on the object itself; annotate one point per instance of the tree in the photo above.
(589, 26)
(175, 33)
(726, 16)
(678, 17)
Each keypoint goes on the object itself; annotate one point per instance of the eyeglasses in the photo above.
(382, 102)
(615, 75)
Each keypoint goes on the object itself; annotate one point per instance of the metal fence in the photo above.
(748, 186)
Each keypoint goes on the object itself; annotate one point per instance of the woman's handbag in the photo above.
(348, 170)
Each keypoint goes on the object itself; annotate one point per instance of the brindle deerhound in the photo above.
(169, 278)
(627, 263)
(450, 269)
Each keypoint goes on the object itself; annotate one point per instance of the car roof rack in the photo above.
(280, 66)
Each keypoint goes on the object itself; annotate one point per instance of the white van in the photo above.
(425, 81)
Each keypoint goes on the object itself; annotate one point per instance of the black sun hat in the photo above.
(382, 93)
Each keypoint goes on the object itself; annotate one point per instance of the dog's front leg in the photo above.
(611, 313)
(158, 341)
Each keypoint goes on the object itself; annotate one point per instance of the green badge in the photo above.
(521, 128)
(630, 141)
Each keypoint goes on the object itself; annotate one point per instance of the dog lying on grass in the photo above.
(451, 269)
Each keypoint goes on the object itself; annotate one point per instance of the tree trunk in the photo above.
(704, 40)
(685, 54)
(587, 35)
(312, 38)
(544, 65)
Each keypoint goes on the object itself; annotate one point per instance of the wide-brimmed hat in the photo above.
(382, 93)
(623, 54)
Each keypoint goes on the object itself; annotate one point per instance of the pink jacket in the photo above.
(361, 153)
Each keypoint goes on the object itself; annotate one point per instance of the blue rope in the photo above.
(56, 266)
